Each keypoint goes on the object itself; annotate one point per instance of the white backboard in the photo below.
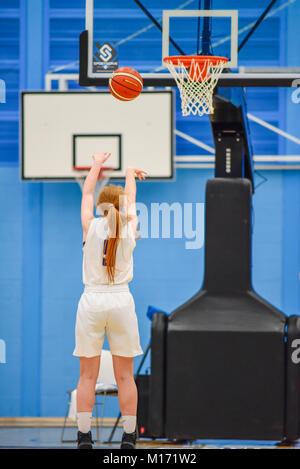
(233, 32)
(61, 130)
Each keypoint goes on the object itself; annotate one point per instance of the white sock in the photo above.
(84, 421)
(129, 423)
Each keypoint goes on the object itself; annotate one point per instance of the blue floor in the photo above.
(48, 437)
(24, 437)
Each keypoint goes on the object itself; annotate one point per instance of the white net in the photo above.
(196, 83)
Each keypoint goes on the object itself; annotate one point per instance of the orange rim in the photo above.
(197, 65)
(187, 60)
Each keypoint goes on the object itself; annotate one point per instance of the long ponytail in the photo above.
(113, 219)
(109, 201)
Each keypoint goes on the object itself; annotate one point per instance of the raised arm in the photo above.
(87, 201)
(130, 192)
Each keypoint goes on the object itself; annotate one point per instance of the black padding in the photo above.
(157, 380)
(225, 356)
(228, 235)
(292, 430)
(231, 133)
(225, 369)
(143, 388)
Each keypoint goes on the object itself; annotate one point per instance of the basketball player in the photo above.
(106, 302)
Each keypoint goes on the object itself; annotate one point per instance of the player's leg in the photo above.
(127, 393)
(89, 370)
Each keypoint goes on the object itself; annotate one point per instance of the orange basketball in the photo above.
(125, 84)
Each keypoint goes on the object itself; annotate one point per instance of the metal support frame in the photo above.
(206, 32)
(260, 19)
(156, 23)
(247, 77)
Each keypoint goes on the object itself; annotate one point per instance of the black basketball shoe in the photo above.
(128, 441)
(84, 440)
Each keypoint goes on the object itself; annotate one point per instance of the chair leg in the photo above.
(64, 426)
(114, 428)
(102, 415)
(97, 420)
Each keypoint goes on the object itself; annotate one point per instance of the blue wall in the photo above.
(40, 233)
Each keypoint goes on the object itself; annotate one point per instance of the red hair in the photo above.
(113, 195)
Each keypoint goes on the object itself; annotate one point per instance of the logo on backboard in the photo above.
(105, 58)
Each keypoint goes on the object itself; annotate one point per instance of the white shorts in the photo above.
(109, 307)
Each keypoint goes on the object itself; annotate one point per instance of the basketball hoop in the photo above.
(196, 77)
(103, 178)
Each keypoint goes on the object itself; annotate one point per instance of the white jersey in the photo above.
(94, 270)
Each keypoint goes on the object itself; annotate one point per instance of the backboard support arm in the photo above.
(206, 32)
(147, 13)
(260, 19)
